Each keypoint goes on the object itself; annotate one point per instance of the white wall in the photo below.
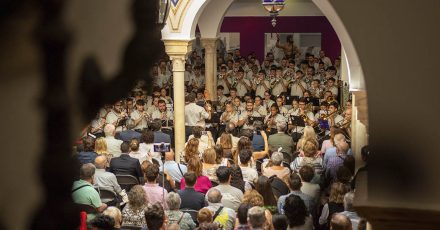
(255, 8)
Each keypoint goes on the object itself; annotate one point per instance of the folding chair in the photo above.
(191, 212)
(127, 181)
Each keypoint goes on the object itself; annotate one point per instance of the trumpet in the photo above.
(329, 116)
(343, 125)
(268, 123)
(273, 84)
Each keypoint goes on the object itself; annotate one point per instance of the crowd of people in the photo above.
(271, 151)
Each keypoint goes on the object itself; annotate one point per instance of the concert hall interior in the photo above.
(220, 114)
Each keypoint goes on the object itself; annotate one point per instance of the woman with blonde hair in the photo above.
(101, 146)
(335, 202)
(311, 157)
(116, 214)
(209, 164)
(203, 184)
(101, 149)
(309, 135)
(191, 150)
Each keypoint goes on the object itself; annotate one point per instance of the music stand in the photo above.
(324, 124)
(298, 121)
(167, 123)
(122, 122)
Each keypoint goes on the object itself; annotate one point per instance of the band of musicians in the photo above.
(296, 92)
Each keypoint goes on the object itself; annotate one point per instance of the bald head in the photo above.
(340, 222)
(169, 156)
(214, 196)
(100, 162)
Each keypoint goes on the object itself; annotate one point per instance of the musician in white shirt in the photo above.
(243, 85)
(260, 84)
(230, 114)
(154, 106)
(224, 79)
(162, 113)
(198, 80)
(116, 115)
(245, 120)
(278, 84)
(140, 116)
(307, 116)
(331, 87)
(325, 59)
(280, 103)
(298, 85)
(194, 115)
(258, 106)
(273, 118)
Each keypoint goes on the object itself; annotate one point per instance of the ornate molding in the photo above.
(177, 13)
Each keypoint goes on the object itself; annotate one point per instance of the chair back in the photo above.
(191, 212)
(105, 193)
(127, 181)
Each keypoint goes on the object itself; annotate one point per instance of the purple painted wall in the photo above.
(252, 30)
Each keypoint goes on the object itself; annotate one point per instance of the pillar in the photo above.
(359, 121)
(210, 67)
(177, 50)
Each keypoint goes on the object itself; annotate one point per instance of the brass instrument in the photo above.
(329, 116)
(274, 83)
(343, 125)
(269, 120)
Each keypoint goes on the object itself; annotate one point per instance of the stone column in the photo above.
(177, 50)
(210, 67)
(359, 121)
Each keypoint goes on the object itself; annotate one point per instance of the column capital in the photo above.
(177, 49)
(209, 44)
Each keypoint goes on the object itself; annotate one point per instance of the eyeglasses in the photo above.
(302, 104)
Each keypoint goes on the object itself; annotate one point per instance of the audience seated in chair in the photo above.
(126, 165)
(83, 191)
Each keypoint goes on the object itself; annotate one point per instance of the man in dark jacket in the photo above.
(126, 165)
(190, 198)
(159, 136)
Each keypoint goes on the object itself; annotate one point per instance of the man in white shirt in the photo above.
(325, 59)
(162, 113)
(261, 85)
(331, 87)
(231, 196)
(297, 131)
(154, 106)
(113, 145)
(298, 85)
(140, 116)
(258, 106)
(198, 80)
(278, 84)
(116, 115)
(243, 85)
(194, 115)
(246, 119)
(188, 74)
(223, 79)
